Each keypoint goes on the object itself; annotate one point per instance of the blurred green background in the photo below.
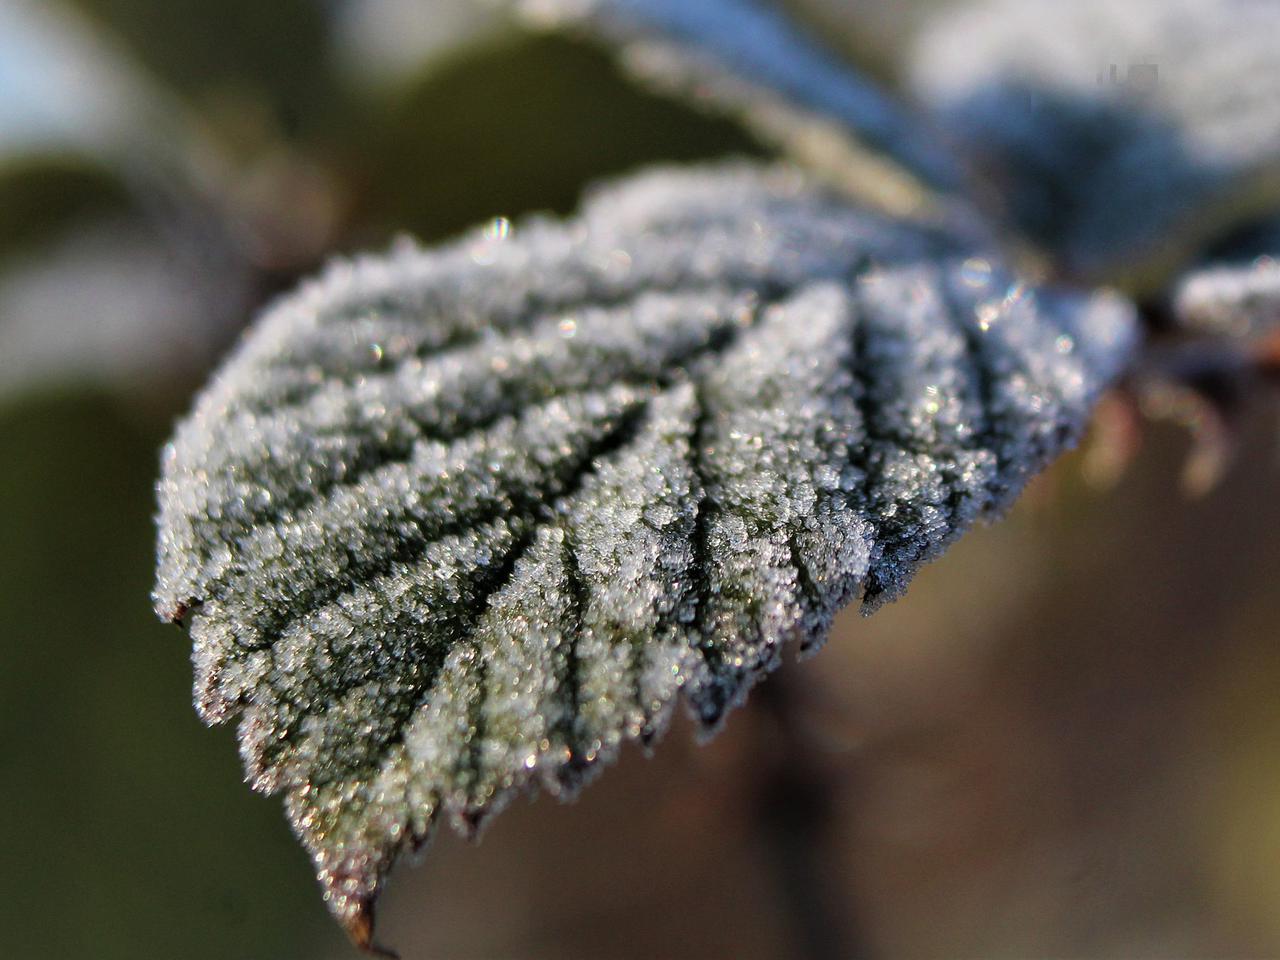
(1062, 743)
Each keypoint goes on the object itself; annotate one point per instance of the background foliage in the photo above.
(1062, 742)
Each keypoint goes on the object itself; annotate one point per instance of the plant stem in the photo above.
(795, 811)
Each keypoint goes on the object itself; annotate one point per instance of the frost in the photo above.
(749, 58)
(451, 523)
(1233, 301)
(1125, 173)
(1234, 292)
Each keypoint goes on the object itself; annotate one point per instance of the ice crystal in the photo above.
(1121, 134)
(455, 522)
(1234, 292)
(1233, 301)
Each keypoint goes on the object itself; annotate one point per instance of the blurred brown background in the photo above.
(1061, 743)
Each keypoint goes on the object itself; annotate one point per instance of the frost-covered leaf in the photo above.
(749, 58)
(1233, 301)
(451, 523)
(384, 42)
(1235, 291)
(1125, 173)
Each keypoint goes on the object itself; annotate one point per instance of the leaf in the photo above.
(422, 176)
(1234, 292)
(273, 57)
(383, 43)
(42, 195)
(1234, 301)
(748, 58)
(46, 108)
(114, 303)
(107, 110)
(1123, 178)
(454, 523)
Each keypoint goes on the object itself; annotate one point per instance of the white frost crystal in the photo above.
(1119, 131)
(1230, 300)
(454, 522)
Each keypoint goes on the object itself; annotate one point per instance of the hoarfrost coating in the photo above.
(453, 522)
(1134, 173)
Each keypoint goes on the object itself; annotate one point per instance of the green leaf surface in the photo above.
(453, 523)
(41, 195)
(243, 52)
(540, 115)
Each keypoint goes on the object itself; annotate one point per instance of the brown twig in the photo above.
(795, 811)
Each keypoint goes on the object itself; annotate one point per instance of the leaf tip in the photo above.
(355, 913)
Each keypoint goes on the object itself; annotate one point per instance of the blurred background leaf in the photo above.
(42, 195)
(272, 59)
(541, 116)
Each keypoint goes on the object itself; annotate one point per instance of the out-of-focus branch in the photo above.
(794, 808)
